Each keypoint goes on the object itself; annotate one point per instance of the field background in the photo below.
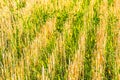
(59, 39)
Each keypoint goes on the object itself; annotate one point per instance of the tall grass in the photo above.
(59, 40)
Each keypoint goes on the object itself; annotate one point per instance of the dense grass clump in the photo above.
(59, 40)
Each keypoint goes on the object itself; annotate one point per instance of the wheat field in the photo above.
(59, 39)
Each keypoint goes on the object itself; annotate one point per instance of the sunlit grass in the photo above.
(59, 40)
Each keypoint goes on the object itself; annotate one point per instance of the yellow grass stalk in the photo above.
(40, 41)
(116, 11)
(101, 42)
(76, 68)
(59, 49)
